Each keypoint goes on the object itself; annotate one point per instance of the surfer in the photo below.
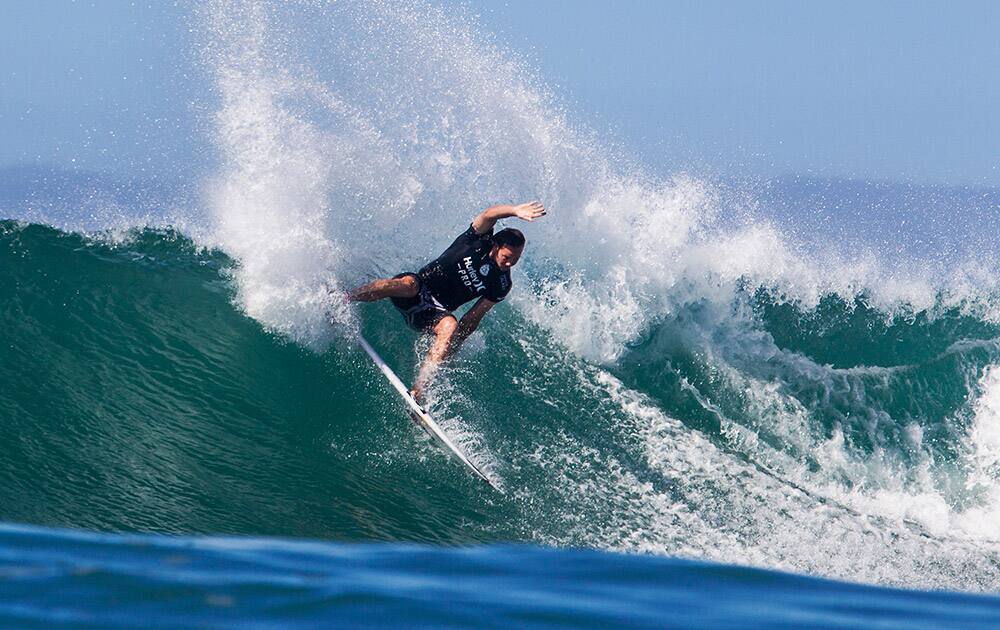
(476, 265)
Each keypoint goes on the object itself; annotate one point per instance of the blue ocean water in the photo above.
(77, 579)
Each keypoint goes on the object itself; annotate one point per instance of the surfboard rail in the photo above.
(416, 411)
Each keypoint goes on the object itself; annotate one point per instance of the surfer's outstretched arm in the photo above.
(469, 322)
(486, 219)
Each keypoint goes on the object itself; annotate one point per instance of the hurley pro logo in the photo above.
(467, 274)
(484, 270)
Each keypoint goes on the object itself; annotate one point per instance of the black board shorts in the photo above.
(421, 312)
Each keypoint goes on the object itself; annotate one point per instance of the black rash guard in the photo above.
(465, 272)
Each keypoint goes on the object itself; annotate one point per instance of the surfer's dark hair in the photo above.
(511, 237)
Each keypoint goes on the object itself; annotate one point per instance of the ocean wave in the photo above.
(139, 398)
(677, 371)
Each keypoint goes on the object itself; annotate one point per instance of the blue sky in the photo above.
(96, 84)
(887, 89)
(872, 90)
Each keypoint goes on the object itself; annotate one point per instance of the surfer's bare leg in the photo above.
(404, 287)
(444, 333)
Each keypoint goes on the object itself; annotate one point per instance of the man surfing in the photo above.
(476, 265)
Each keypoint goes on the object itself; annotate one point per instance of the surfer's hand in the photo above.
(529, 211)
(418, 395)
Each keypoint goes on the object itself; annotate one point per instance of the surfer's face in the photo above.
(506, 256)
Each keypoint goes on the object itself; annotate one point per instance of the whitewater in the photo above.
(686, 366)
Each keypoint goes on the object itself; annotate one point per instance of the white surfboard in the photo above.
(419, 415)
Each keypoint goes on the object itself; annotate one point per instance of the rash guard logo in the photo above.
(468, 275)
(484, 270)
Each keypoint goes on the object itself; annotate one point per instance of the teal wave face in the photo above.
(848, 334)
(914, 369)
(871, 376)
(138, 398)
